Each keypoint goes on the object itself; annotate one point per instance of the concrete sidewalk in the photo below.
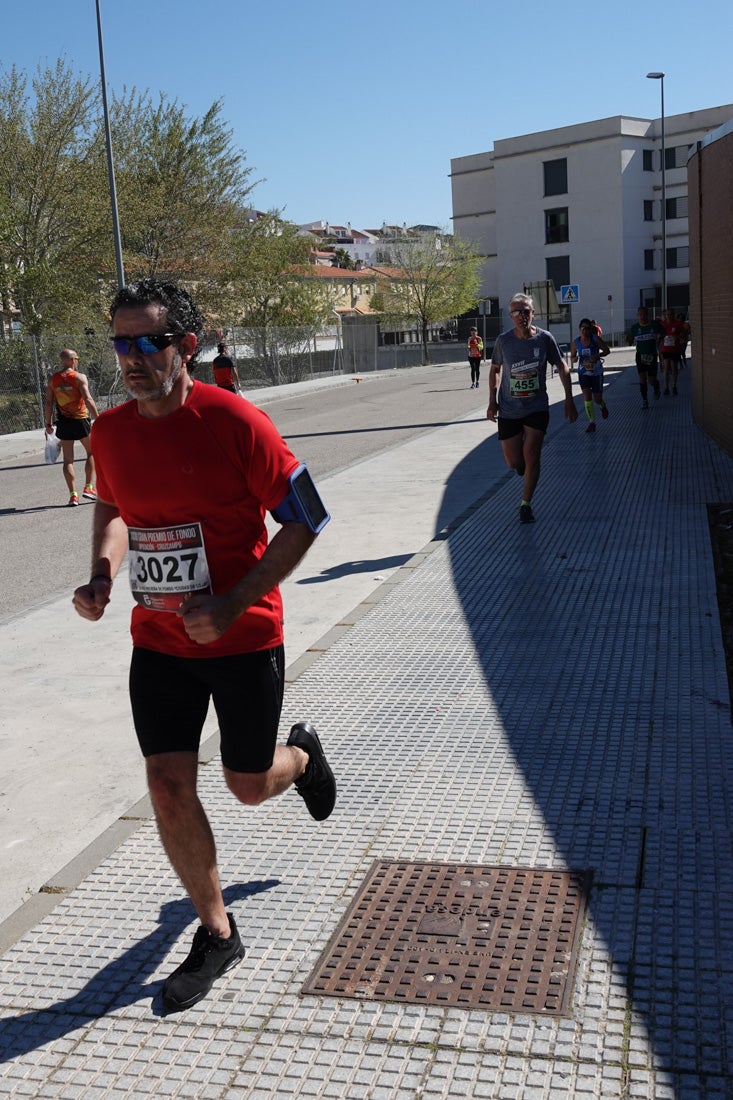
(548, 697)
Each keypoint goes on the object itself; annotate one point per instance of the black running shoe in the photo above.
(209, 958)
(317, 786)
(526, 515)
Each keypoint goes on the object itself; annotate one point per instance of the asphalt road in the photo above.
(46, 546)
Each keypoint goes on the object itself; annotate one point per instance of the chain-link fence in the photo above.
(264, 357)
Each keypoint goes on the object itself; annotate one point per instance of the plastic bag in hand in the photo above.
(53, 446)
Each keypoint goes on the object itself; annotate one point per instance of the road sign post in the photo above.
(570, 296)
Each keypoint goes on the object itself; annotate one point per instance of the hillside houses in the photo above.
(365, 247)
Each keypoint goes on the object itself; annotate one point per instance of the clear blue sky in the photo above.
(352, 112)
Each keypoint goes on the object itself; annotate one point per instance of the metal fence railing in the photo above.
(264, 358)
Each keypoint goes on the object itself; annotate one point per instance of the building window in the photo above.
(676, 157)
(647, 160)
(556, 226)
(678, 257)
(676, 208)
(557, 270)
(556, 176)
(649, 259)
(648, 210)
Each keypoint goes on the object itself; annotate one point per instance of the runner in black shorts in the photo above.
(508, 428)
(68, 395)
(646, 336)
(186, 476)
(246, 690)
(519, 402)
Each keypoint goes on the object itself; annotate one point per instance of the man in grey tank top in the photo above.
(519, 402)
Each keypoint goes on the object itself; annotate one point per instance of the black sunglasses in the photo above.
(146, 345)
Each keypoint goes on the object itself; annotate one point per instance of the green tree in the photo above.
(343, 259)
(52, 197)
(266, 291)
(437, 277)
(182, 187)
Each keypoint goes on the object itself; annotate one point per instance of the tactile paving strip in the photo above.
(498, 938)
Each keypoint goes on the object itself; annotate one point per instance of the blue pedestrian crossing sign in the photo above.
(569, 295)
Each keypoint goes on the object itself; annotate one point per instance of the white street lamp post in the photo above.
(660, 78)
(110, 159)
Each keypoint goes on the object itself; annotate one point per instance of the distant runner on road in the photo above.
(519, 402)
(646, 337)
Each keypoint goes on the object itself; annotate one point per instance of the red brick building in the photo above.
(710, 190)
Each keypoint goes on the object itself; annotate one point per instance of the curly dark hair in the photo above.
(182, 313)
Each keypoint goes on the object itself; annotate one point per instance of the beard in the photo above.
(165, 389)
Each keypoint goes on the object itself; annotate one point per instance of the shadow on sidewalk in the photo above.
(122, 982)
(591, 647)
(348, 568)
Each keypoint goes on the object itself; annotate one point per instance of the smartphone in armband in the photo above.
(303, 503)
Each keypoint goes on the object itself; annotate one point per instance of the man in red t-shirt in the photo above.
(672, 343)
(186, 473)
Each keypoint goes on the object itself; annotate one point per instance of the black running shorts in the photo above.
(170, 699)
(69, 428)
(510, 426)
(646, 368)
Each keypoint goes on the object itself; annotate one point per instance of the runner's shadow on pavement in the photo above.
(122, 982)
(40, 508)
(347, 568)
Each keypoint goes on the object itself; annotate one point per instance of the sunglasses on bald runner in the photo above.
(146, 345)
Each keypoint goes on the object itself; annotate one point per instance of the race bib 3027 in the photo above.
(167, 564)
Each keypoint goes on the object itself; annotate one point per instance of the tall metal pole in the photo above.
(110, 159)
(660, 78)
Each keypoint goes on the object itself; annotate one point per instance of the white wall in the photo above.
(498, 202)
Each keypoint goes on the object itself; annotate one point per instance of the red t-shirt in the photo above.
(222, 365)
(675, 337)
(207, 473)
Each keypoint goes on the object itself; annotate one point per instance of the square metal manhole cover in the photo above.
(500, 938)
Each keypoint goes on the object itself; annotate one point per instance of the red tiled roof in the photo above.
(323, 272)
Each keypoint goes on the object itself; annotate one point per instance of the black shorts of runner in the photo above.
(68, 428)
(592, 382)
(170, 699)
(509, 426)
(647, 368)
(230, 388)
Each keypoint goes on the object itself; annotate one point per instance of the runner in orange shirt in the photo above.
(475, 351)
(68, 391)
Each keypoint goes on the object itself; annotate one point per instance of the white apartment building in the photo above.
(582, 205)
